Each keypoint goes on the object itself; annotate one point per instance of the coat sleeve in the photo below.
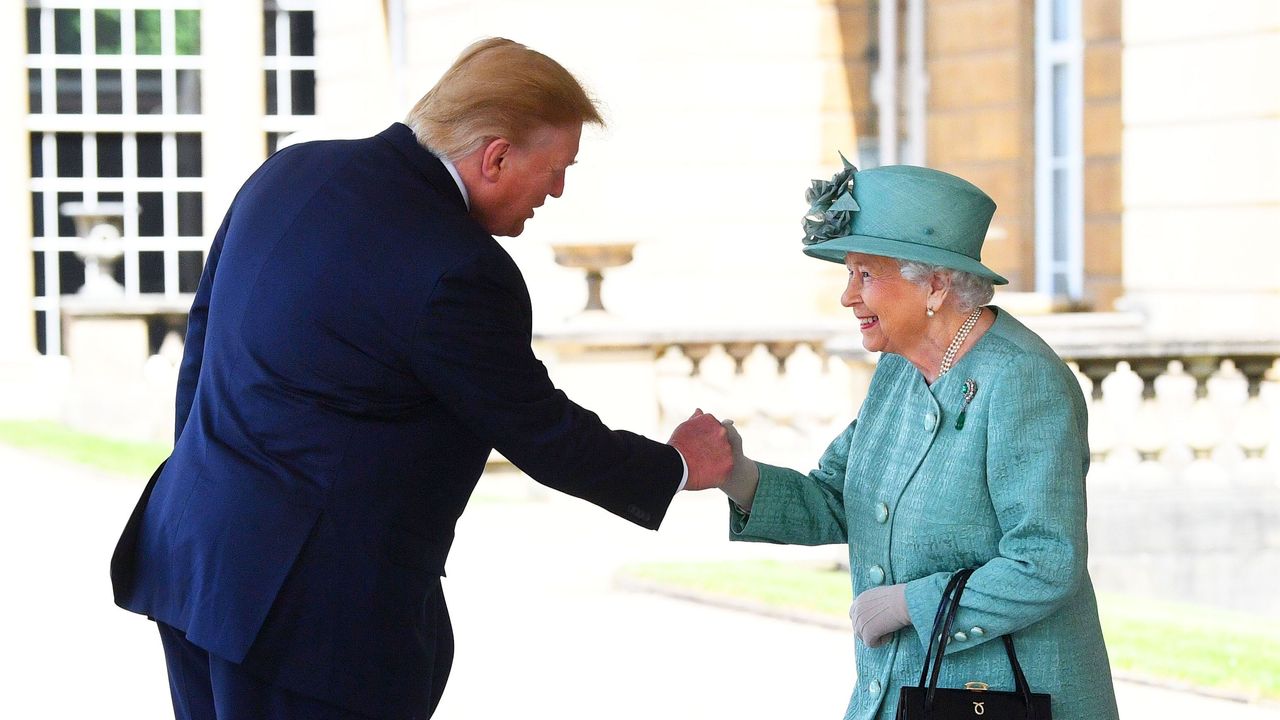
(472, 351)
(792, 508)
(193, 346)
(1036, 463)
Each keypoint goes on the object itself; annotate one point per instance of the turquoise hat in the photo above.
(900, 211)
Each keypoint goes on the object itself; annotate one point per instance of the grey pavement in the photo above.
(543, 628)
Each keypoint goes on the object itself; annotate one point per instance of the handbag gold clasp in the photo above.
(976, 686)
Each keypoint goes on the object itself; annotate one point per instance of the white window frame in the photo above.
(1066, 53)
(284, 121)
(167, 124)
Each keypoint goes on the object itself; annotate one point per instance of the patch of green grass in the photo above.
(1200, 646)
(119, 457)
(1222, 652)
(778, 584)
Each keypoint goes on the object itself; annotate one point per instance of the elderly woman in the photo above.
(970, 450)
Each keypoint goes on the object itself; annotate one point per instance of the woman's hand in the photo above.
(878, 613)
(745, 476)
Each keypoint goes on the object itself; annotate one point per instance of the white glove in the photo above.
(745, 476)
(878, 613)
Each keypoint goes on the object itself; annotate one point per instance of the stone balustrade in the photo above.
(1184, 487)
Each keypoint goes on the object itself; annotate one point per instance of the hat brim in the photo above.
(835, 249)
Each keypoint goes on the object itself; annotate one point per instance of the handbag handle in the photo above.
(943, 621)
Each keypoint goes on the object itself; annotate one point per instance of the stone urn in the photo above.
(594, 258)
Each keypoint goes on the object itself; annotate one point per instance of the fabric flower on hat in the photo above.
(831, 206)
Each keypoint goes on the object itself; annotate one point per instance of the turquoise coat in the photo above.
(917, 497)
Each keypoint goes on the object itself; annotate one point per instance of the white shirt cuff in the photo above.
(684, 477)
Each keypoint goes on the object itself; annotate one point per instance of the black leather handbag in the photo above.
(927, 701)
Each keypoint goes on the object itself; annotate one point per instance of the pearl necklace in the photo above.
(950, 355)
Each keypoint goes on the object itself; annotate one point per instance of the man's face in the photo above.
(530, 171)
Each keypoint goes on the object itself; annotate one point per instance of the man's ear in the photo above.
(493, 158)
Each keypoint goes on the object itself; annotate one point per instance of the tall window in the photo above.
(1059, 149)
(289, 51)
(115, 113)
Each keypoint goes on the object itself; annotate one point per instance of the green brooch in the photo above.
(970, 390)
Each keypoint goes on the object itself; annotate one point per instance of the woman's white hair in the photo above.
(968, 291)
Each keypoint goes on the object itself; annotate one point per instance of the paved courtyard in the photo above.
(543, 629)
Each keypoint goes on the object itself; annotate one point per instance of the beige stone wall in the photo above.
(1103, 237)
(981, 117)
(1201, 153)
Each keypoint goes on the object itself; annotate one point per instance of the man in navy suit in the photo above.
(358, 344)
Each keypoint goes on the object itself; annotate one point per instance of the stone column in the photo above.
(17, 326)
(234, 101)
(1201, 165)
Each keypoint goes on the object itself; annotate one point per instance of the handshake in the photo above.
(712, 450)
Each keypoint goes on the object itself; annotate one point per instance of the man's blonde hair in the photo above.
(497, 88)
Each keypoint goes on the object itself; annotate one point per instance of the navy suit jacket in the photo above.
(357, 346)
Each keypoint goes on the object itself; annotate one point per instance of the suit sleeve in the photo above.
(796, 509)
(1037, 458)
(193, 347)
(472, 351)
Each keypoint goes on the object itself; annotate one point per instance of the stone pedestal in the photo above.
(107, 354)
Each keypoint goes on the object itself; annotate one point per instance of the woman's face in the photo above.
(890, 308)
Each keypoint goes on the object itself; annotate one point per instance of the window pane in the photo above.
(33, 31)
(110, 96)
(110, 155)
(36, 141)
(190, 214)
(304, 92)
(272, 105)
(269, 33)
(1059, 119)
(66, 32)
(1060, 27)
(150, 97)
(37, 260)
(105, 197)
(146, 24)
(42, 333)
(150, 158)
(151, 214)
(190, 265)
(37, 214)
(70, 153)
(187, 31)
(188, 92)
(151, 272)
(67, 226)
(107, 31)
(70, 272)
(70, 98)
(189, 152)
(301, 34)
(1059, 215)
(35, 91)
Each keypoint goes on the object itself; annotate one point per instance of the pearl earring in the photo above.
(928, 311)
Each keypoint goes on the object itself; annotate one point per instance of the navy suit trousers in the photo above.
(206, 687)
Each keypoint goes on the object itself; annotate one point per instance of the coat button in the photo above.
(930, 420)
(876, 573)
(874, 687)
(882, 512)
(977, 632)
(960, 636)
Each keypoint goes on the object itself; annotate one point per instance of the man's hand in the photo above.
(703, 442)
